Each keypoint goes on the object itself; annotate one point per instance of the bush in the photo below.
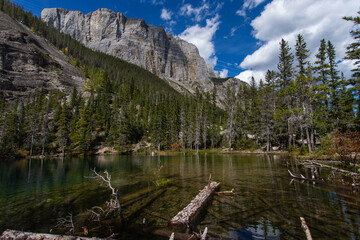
(347, 145)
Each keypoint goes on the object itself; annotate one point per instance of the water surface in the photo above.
(34, 194)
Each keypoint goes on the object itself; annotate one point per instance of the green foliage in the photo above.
(353, 53)
(122, 104)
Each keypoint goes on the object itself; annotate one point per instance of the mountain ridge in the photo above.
(132, 40)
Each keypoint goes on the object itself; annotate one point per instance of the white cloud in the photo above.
(248, 5)
(233, 30)
(199, 13)
(315, 20)
(157, 2)
(246, 75)
(165, 14)
(241, 12)
(202, 38)
(223, 73)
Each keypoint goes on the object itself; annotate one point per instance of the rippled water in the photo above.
(34, 194)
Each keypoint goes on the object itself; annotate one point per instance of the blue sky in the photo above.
(238, 37)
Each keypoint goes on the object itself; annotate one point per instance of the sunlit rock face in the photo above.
(133, 40)
(29, 64)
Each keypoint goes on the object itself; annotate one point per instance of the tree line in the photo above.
(122, 104)
(298, 104)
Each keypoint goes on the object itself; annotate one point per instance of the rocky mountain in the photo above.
(29, 63)
(133, 40)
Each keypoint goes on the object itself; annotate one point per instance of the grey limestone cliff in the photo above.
(28, 63)
(133, 40)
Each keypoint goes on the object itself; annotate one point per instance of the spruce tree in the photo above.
(230, 105)
(333, 84)
(302, 53)
(322, 88)
(353, 53)
(285, 64)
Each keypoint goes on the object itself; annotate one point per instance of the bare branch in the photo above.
(66, 222)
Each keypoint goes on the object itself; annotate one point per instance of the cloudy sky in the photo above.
(238, 38)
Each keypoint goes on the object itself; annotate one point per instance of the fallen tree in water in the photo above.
(188, 215)
(20, 235)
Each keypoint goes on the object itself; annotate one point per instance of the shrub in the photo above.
(347, 145)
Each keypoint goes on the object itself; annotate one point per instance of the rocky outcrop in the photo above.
(28, 63)
(133, 40)
(222, 84)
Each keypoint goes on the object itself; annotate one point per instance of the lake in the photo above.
(35, 194)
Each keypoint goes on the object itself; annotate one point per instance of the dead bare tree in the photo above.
(113, 204)
(66, 222)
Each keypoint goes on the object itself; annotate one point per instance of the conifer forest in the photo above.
(165, 145)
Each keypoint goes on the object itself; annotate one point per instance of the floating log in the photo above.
(20, 235)
(188, 215)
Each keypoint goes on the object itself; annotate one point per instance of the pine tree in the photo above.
(322, 88)
(333, 84)
(346, 113)
(267, 107)
(285, 64)
(302, 53)
(321, 65)
(182, 127)
(230, 105)
(353, 53)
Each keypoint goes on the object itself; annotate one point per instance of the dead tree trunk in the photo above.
(187, 216)
(19, 235)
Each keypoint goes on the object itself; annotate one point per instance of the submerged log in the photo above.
(189, 214)
(226, 192)
(304, 178)
(335, 169)
(305, 228)
(20, 235)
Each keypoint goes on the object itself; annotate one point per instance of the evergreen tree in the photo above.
(353, 53)
(230, 105)
(321, 65)
(302, 53)
(285, 64)
(333, 84)
(322, 88)
(63, 131)
(267, 107)
(346, 113)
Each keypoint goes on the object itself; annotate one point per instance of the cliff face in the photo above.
(28, 63)
(133, 40)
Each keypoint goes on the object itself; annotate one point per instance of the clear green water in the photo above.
(34, 194)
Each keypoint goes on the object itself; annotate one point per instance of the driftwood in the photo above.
(226, 192)
(114, 203)
(19, 235)
(304, 178)
(203, 236)
(334, 168)
(188, 215)
(305, 228)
